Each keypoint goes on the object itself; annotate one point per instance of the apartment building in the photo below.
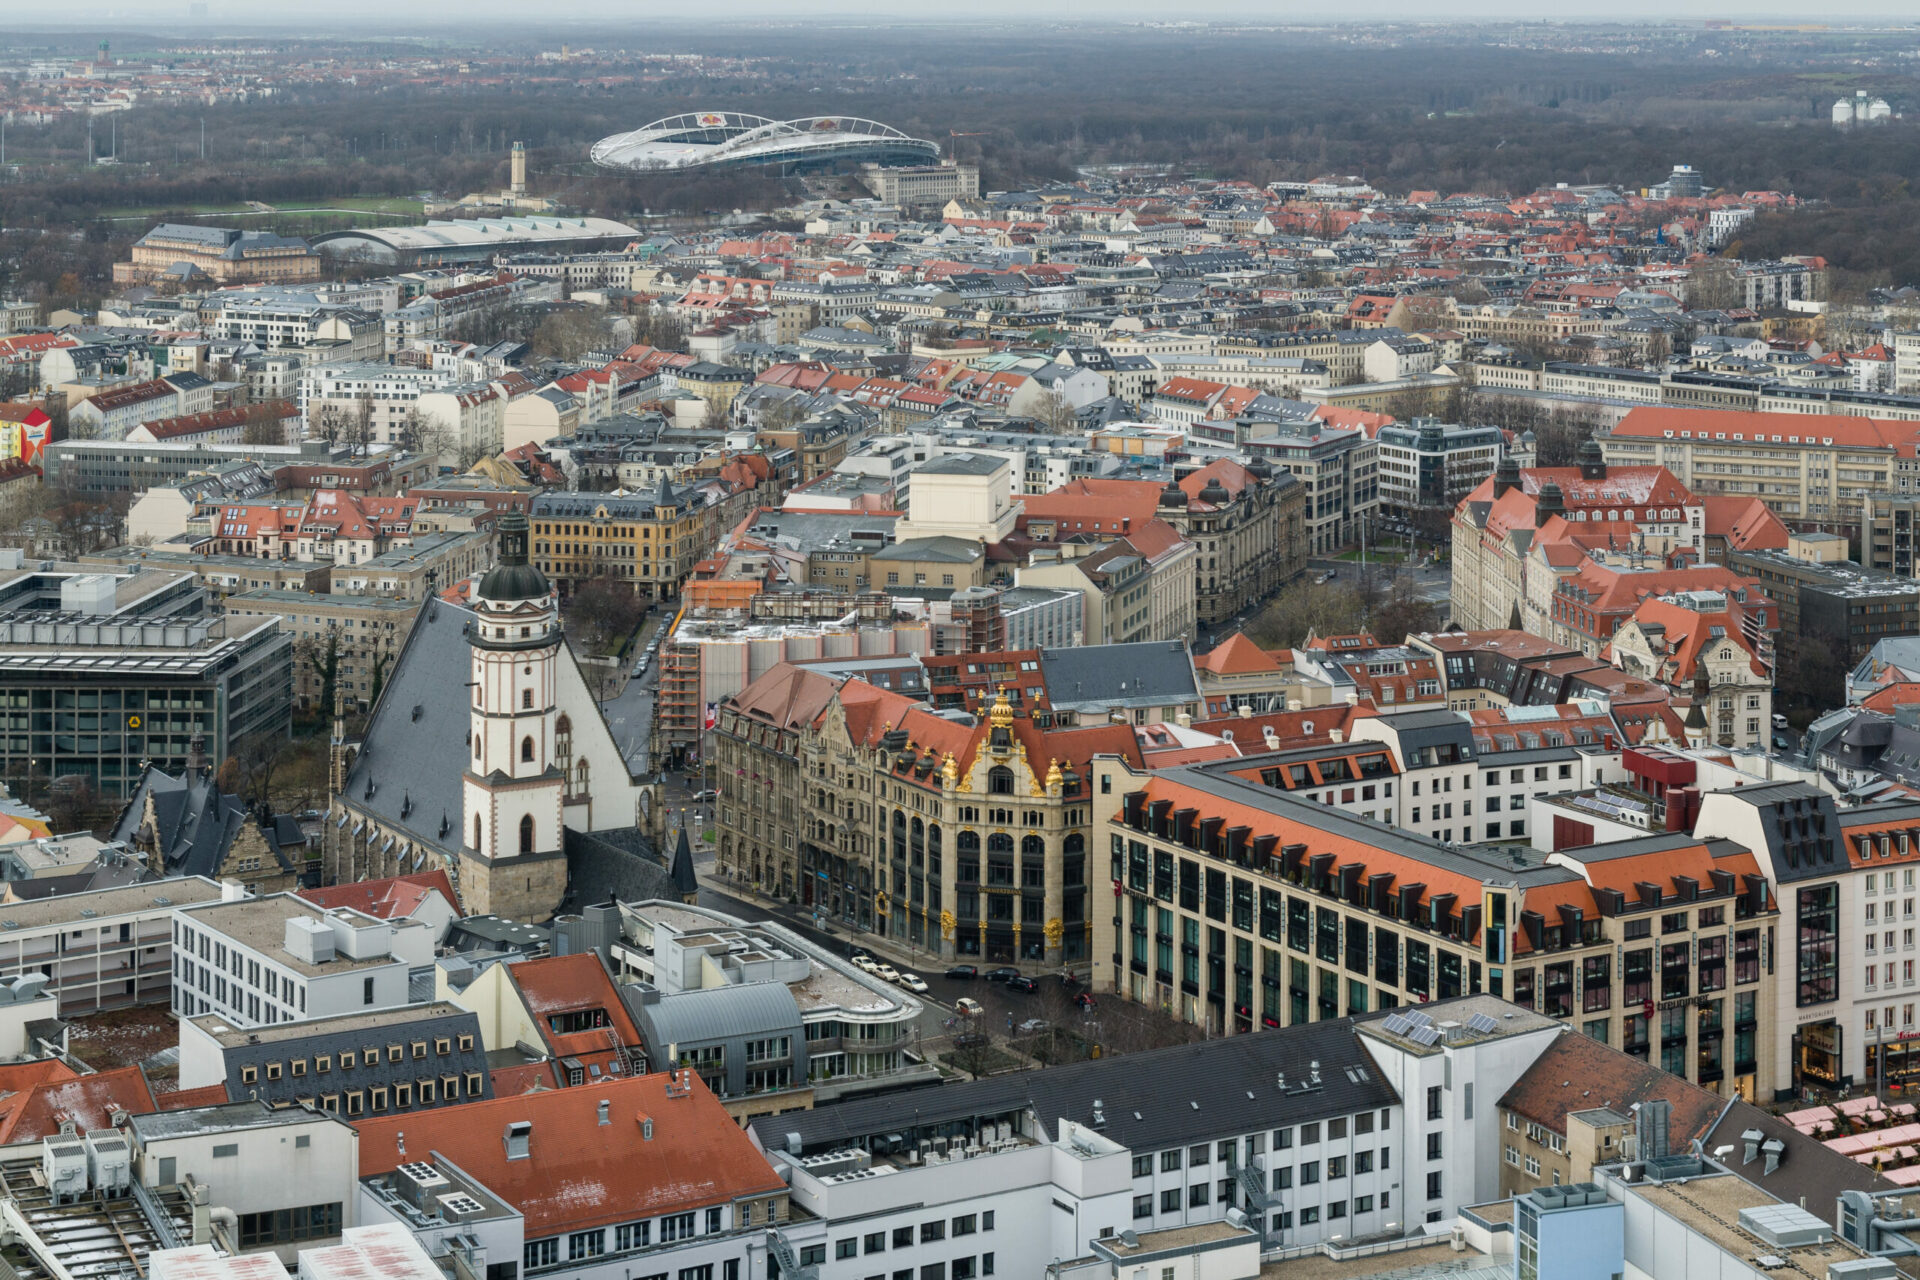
(649, 542)
(1283, 911)
(1815, 471)
(346, 401)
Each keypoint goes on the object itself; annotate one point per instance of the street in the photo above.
(1432, 583)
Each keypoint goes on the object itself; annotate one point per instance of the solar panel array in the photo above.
(1397, 1025)
(1481, 1023)
(1424, 1036)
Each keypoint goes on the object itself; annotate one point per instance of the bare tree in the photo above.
(1056, 413)
(264, 424)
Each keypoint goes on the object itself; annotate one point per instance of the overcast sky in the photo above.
(434, 16)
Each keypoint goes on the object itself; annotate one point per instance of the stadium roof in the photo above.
(701, 139)
(467, 237)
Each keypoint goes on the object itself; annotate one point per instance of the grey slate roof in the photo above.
(195, 823)
(1094, 678)
(1148, 1098)
(413, 760)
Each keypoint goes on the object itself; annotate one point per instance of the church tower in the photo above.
(512, 858)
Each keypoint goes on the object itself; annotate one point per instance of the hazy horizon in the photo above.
(450, 17)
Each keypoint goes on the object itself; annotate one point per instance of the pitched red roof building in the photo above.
(575, 1159)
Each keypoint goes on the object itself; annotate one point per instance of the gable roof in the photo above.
(1578, 1073)
(395, 898)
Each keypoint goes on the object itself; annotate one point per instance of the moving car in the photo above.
(914, 983)
(1086, 1001)
(1021, 982)
(968, 1007)
(1033, 1026)
(705, 797)
(1002, 974)
(965, 972)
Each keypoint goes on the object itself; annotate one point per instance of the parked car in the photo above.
(965, 972)
(866, 964)
(856, 952)
(1033, 1026)
(1086, 1001)
(884, 970)
(914, 983)
(968, 1007)
(1002, 974)
(1021, 982)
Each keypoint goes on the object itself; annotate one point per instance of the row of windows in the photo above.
(323, 1062)
(903, 1237)
(640, 1234)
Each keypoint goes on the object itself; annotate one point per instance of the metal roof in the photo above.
(1159, 1098)
(719, 1013)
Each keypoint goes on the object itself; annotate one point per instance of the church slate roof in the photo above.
(407, 773)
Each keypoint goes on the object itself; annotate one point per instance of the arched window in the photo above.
(526, 749)
(476, 831)
(526, 699)
(1032, 849)
(1000, 781)
(526, 834)
(580, 778)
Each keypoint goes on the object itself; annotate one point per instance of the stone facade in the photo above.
(968, 841)
(1248, 528)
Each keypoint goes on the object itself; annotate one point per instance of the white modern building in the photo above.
(279, 958)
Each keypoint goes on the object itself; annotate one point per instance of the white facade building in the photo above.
(280, 958)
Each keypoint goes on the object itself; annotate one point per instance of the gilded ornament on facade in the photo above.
(1055, 932)
(947, 923)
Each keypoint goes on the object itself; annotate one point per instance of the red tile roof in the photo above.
(395, 898)
(555, 985)
(46, 1096)
(1654, 422)
(1237, 656)
(580, 1173)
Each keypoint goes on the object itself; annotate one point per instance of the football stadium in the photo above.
(712, 139)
